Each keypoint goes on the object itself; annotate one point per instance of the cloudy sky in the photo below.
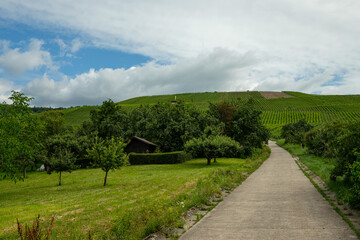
(69, 53)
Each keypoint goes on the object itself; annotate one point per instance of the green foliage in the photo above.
(167, 125)
(108, 154)
(247, 128)
(323, 140)
(68, 141)
(20, 103)
(224, 112)
(20, 135)
(170, 126)
(213, 147)
(347, 144)
(159, 158)
(53, 122)
(355, 175)
(242, 122)
(295, 132)
(110, 120)
(62, 160)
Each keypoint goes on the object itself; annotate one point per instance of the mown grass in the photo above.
(83, 204)
(320, 166)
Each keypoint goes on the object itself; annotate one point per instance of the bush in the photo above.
(355, 190)
(315, 141)
(159, 158)
(347, 143)
(323, 140)
(294, 132)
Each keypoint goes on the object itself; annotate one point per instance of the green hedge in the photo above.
(158, 158)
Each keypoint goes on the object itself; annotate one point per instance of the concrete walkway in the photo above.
(276, 202)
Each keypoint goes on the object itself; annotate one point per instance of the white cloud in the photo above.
(69, 49)
(300, 45)
(220, 69)
(76, 44)
(13, 61)
(5, 90)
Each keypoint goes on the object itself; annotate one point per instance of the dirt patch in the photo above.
(273, 95)
(73, 212)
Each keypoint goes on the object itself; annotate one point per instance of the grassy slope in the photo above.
(276, 112)
(82, 203)
(75, 116)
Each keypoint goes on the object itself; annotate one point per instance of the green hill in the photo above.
(76, 115)
(278, 108)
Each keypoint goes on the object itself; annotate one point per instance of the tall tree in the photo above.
(20, 135)
(247, 128)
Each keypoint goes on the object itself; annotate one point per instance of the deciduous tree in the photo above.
(108, 154)
(62, 160)
(213, 147)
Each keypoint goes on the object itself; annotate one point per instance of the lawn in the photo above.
(82, 203)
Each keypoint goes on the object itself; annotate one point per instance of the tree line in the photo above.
(27, 139)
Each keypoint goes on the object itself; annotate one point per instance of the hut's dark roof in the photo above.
(144, 141)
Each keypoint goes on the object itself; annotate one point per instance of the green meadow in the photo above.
(83, 204)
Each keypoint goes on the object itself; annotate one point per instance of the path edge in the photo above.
(308, 173)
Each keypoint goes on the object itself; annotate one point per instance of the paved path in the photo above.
(276, 202)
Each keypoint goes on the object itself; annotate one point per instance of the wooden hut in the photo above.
(140, 145)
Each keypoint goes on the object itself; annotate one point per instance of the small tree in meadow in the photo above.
(108, 154)
(213, 147)
(62, 161)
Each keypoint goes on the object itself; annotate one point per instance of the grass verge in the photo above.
(347, 220)
(167, 216)
(137, 201)
(322, 167)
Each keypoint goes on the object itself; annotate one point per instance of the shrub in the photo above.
(323, 140)
(34, 232)
(347, 143)
(159, 158)
(355, 175)
(294, 132)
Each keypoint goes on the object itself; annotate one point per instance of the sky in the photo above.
(73, 53)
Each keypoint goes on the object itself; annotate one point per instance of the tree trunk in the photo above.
(105, 177)
(208, 161)
(24, 171)
(214, 159)
(60, 179)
